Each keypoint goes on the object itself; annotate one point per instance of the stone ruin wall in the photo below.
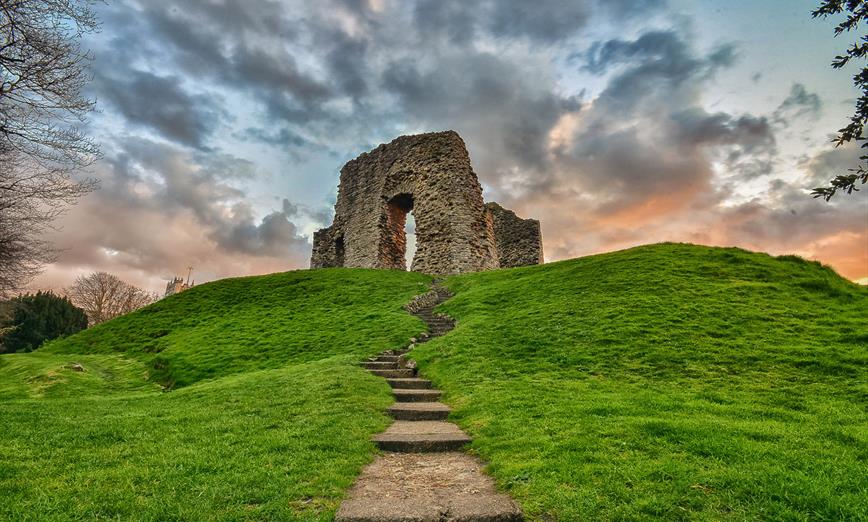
(430, 175)
(518, 240)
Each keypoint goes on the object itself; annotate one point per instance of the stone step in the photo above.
(387, 358)
(393, 374)
(440, 327)
(403, 395)
(421, 437)
(410, 384)
(380, 365)
(419, 411)
(429, 487)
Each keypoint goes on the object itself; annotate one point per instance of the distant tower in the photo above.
(177, 284)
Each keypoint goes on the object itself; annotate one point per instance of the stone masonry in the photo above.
(430, 175)
(517, 240)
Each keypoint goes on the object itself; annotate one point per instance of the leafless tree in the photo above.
(104, 296)
(43, 71)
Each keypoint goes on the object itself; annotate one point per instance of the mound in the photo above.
(269, 416)
(669, 381)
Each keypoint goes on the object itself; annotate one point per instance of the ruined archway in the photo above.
(429, 175)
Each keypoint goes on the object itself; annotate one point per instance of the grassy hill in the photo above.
(269, 416)
(667, 381)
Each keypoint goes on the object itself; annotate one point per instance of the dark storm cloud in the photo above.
(346, 63)
(283, 137)
(798, 103)
(542, 20)
(698, 127)
(162, 104)
(232, 44)
(456, 20)
(654, 66)
(832, 162)
(493, 103)
(646, 136)
(296, 64)
(275, 235)
(666, 48)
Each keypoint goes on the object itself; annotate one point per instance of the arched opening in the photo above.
(394, 251)
(339, 251)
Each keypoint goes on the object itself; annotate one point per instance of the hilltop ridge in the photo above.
(663, 381)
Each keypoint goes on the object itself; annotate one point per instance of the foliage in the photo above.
(856, 12)
(667, 382)
(41, 317)
(104, 296)
(43, 71)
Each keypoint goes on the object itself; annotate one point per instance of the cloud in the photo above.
(831, 162)
(161, 104)
(645, 161)
(798, 103)
(224, 112)
(161, 208)
(646, 145)
(544, 20)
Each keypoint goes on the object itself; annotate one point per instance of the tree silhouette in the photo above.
(39, 318)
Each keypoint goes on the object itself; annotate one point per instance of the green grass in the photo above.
(668, 382)
(253, 323)
(269, 417)
(37, 375)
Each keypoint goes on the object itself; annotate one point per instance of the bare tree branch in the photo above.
(43, 71)
(104, 296)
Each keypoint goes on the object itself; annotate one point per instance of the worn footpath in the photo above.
(422, 474)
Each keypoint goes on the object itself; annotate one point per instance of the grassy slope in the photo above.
(270, 417)
(253, 323)
(668, 381)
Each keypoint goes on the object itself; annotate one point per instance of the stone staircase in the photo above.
(422, 476)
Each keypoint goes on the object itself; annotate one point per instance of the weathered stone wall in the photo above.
(519, 241)
(428, 174)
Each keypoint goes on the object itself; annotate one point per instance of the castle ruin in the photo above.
(430, 175)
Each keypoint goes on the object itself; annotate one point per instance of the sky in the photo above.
(224, 125)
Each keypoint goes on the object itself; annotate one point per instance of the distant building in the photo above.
(177, 285)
